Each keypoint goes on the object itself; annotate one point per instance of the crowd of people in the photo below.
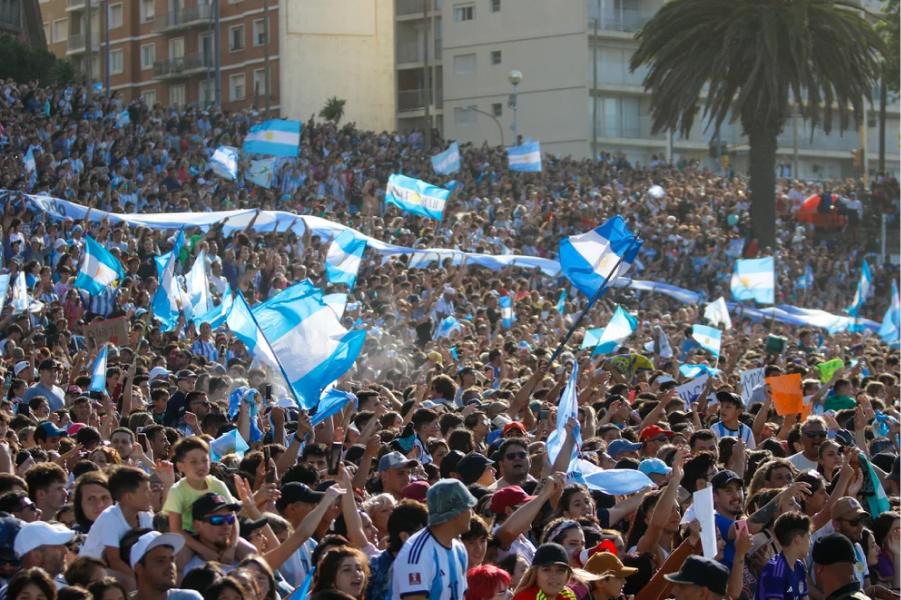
(436, 481)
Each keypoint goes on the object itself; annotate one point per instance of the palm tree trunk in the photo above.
(883, 97)
(762, 139)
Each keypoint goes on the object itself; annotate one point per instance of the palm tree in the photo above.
(333, 109)
(759, 57)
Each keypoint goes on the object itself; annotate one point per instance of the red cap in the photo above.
(510, 496)
(415, 490)
(514, 425)
(652, 431)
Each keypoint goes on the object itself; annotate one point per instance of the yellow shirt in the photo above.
(182, 496)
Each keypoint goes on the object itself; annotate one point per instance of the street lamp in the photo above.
(500, 129)
(514, 77)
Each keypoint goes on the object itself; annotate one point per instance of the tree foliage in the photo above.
(24, 63)
(888, 27)
(333, 110)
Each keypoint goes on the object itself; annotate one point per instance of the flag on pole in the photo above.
(22, 300)
(123, 119)
(890, 331)
(31, 167)
(709, 338)
(99, 270)
(864, 290)
(588, 259)
(98, 371)
(416, 197)
(754, 279)
(197, 286)
(568, 407)
(277, 137)
(167, 298)
(224, 162)
(242, 324)
(4, 289)
(344, 257)
(622, 325)
(561, 302)
(447, 162)
(507, 315)
(717, 313)
(526, 157)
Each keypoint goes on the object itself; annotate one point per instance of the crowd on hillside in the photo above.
(447, 477)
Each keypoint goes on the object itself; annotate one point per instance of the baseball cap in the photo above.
(617, 447)
(21, 366)
(847, 507)
(9, 529)
(515, 426)
(210, 503)
(652, 431)
(158, 373)
(509, 496)
(724, 478)
(654, 466)
(151, 540)
(73, 389)
(607, 564)
(40, 533)
(415, 490)
(51, 430)
(729, 397)
(248, 526)
(550, 554)
(186, 374)
(48, 364)
(396, 460)
(705, 572)
(447, 499)
(297, 492)
(472, 466)
(833, 548)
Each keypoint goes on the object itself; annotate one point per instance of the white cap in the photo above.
(21, 366)
(40, 533)
(151, 540)
(158, 372)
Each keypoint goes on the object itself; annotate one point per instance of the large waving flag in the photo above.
(415, 196)
(224, 162)
(754, 279)
(507, 314)
(709, 338)
(216, 315)
(277, 137)
(864, 290)
(890, 332)
(310, 343)
(602, 254)
(526, 157)
(447, 162)
(568, 407)
(99, 270)
(98, 371)
(331, 403)
(717, 313)
(622, 325)
(4, 289)
(167, 298)
(243, 325)
(343, 259)
(198, 286)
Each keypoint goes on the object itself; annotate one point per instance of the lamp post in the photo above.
(500, 129)
(514, 77)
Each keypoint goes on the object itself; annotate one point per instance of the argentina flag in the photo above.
(261, 172)
(709, 338)
(416, 197)
(526, 157)
(166, 299)
(622, 325)
(98, 371)
(243, 325)
(99, 270)
(863, 292)
(890, 331)
(276, 137)
(590, 258)
(754, 279)
(446, 327)
(343, 259)
(447, 162)
(507, 315)
(224, 162)
(566, 409)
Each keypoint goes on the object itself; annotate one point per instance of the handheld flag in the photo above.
(331, 403)
(22, 299)
(561, 302)
(709, 338)
(99, 270)
(416, 197)
(601, 255)
(276, 137)
(621, 326)
(98, 371)
(243, 325)
(507, 315)
(216, 316)
(447, 326)
(447, 162)
(261, 172)
(31, 166)
(890, 331)
(198, 286)
(123, 119)
(4, 289)
(230, 442)
(717, 313)
(568, 407)
(525, 158)
(166, 299)
(224, 162)
(343, 259)
(805, 282)
(754, 279)
(863, 292)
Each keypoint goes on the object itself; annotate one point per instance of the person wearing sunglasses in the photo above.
(813, 433)
(216, 524)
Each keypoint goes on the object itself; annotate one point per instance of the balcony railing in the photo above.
(410, 99)
(415, 7)
(628, 20)
(408, 52)
(184, 18)
(76, 42)
(183, 66)
(75, 4)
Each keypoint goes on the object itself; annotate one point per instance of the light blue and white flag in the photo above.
(337, 302)
(416, 197)
(123, 119)
(659, 287)
(224, 162)
(526, 157)
(717, 313)
(343, 259)
(261, 172)
(568, 407)
(621, 326)
(4, 289)
(754, 279)
(446, 327)
(311, 345)
(31, 167)
(694, 370)
(447, 162)
(805, 282)
(592, 337)
(98, 371)
(890, 331)
(166, 302)
(216, 315)
(22, 299)
(197, 286)
(331, 403)
(507, 314)
(230, 442)
(99, 270)
(618, 482)
(864, 290)
(709, 338)
(243, 325)
(276, 137)
(604, 253)
(561, 302)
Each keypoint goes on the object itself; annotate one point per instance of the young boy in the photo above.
(731, 408)
(130, 489)
(192, 458)
(784, 576)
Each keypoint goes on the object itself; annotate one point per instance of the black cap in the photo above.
(297, 492)
(550, 554)
(705, 572)
(832, 549)
(48, 364)
(724, 478)
(248, 526)
(449, 463)
(724, 396)
(210, 503)
(472, 466)
(9, 529)
(186, 374)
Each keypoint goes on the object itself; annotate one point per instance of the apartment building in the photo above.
(164, 50)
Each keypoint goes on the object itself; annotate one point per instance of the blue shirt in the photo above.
(778, 580)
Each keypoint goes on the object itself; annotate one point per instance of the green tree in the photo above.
(888, 27)
(758, 58)
(333, 110)
(24, 63)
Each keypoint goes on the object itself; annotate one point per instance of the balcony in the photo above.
(627, 20)
(75, 5)
(184, 18)
(410, 99)
(183, 66)
(76, 43)
(405, 8)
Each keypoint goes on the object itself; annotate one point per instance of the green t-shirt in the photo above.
(182, 496)
(839, 403)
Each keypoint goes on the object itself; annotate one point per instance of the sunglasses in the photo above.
(516, 456)
(815, 434)
(856, 522)
(217, 520)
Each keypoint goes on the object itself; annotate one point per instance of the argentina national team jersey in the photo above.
(424, 566)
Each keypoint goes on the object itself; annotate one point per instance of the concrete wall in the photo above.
(342, 48)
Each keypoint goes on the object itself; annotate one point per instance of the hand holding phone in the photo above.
(334, 458)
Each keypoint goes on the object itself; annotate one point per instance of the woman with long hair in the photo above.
(344, 569)
(31, 584)
(568, 534)
(108, 588)
(228, 588)
(92, 497)
(887, 533)
(548, 576)
(575, 503)
(262, 575)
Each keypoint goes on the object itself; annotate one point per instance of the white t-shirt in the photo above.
(803, 463)
(743, 433)
(295, 569)
(108, 530)
(424, 566)
(521, 546)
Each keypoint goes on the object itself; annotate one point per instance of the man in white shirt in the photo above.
(813, 434)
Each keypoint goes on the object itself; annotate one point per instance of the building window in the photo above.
(60, 30)
(236, 38)
(497, 109)
(259, 32)
(148, 56)
(177, 94)
(149, 97)
(206, 48)
(115, 16)
(464, 64)
(495, 5)
(259, 83)
(495, 57)
(236, 87)
(464, 12)
(116, 62)
(148, 10)
(206, 92)
(463, 117)
(48, 32)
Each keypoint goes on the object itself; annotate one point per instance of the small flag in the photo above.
(331, 403)
(447, 326)
(863, 292)
(22, 299)
(526, 157)
(588, 259)
(123, 119)
(166, 300)
(98, 371)
(224, 162)
(344, 257)
(31, 167)
(99, 270)
(447, 162)
(277, 137)
(568, 407)
(717, 313)
(198, 286)
(621, 326)
(230, 442)
(754, 279)
(416, 197)
(805, 282)
(261, 172)
(507, 315)
(709, 338)
(561, 302)
(890, 331)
